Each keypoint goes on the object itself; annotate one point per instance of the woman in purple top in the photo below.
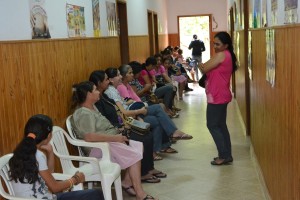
(217, 87)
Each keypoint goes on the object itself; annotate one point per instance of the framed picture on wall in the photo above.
(241, 13)
(250, 13)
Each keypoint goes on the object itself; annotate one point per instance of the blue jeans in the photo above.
(166, 93)
(216, 124)
(161, 125)
(199, 59)
(81, 195)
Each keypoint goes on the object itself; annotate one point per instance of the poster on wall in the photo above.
(96, 18)
(257, 14)
(270, 63)
(75, 21)
(250, 14)
(250, 54)
(274, 6)
(241, 14)
(111, 18)
(290, 9)
(264, 13)
(38, 19)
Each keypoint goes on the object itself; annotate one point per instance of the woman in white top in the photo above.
(31, 170)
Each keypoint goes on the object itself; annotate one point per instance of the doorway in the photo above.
(199, 25)
(123, 31)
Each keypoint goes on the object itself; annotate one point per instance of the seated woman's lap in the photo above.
(81, 195)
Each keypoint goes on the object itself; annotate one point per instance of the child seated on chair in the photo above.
(31, 170)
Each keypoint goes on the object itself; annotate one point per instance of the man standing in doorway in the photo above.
(198, 47)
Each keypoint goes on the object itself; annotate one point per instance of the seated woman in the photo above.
(107, 108)
(164, 92)
(175, 75)
(160, 123)
(139, 89)
(89, 124)
(31, 170)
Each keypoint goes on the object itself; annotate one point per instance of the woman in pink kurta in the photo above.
(217, 87)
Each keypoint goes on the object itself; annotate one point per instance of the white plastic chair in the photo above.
(73, 136)
(4, 169)
(94, 169)
(176, 84)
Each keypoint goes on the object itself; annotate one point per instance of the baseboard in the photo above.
(259, 173)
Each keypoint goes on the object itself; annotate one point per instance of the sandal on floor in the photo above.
(157, 158)
(148, 197)
(160, 175)
(129, 190)
(182, 137)
(217, 162)
(230, 159)
(169, 150)
(151, 179)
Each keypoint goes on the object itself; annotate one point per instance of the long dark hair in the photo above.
(80, 91)
(136, 67)
(97, 77)
(23, 165)
(111, 72)
(225, 38)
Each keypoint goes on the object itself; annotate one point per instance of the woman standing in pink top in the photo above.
(217, 87)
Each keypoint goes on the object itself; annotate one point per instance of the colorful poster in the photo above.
(270, 63)
(250, 4)
(264, 13)
(257, 14)
(111, 18)
(274, 12)
(38, 19)
(250, 54)
(274, 4)
(96, 18)
(75, 21)
(290, 8)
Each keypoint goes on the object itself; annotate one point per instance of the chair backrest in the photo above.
(5, 179)
(72, 133)
(4, 169)
(60, 148)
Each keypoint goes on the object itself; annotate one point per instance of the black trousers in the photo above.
(147, 161)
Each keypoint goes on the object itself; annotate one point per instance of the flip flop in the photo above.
(157, 158)
(169, 150)
(151, 179)
(128, 190)
(147, 197)
(182, 137)
(160, 175)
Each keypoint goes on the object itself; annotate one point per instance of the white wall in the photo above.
(15, 17)
(218, 8)
(138, 18)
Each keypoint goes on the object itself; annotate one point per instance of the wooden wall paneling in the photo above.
(37, 77)
(163, 41)
(275, 113)
(174, 39)
(139, 48)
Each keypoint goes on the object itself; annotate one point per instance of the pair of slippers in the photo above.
(130, 191)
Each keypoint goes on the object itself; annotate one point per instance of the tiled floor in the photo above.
(190, 175)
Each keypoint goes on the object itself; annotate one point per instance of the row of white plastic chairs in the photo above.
(94, 169)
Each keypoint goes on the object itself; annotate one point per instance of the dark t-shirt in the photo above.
(198, 47)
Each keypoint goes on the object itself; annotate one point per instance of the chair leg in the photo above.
(106, 188)
(118, 188)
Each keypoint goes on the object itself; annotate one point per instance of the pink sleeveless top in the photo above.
(217, 86)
